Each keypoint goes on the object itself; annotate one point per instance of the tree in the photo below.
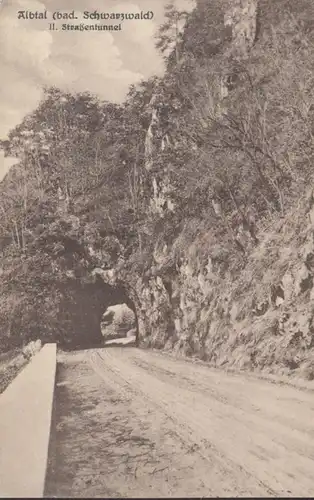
(170, 33)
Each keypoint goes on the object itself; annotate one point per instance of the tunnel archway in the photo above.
(82, 308)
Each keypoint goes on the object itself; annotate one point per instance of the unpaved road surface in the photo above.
(135, 423)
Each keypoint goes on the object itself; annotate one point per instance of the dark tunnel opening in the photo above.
(83, 311)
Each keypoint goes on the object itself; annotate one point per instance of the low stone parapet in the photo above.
(25, 421)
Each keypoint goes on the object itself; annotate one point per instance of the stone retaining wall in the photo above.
(25, 420)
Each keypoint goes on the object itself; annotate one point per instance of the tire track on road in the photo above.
(127, 380)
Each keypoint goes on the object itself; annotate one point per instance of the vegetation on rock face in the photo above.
(173, 190)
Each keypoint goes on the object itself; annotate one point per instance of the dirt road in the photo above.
(135, 423)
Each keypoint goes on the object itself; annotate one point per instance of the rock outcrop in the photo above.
(241, 18)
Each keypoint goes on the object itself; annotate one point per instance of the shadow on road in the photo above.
(120, 342)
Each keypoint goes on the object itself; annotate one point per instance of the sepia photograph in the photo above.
(156, 248)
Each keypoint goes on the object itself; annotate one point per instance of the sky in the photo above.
(103, 63)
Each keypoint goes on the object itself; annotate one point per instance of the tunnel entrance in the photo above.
(91, 314)
(118, 325)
